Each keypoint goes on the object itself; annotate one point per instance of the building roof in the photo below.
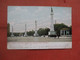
(65, 29)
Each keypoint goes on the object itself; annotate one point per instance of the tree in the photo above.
(30, 33)
(43, 31)
(17, 34)
(70, 29)
(8, 29)
(58, 27)
(46, 31)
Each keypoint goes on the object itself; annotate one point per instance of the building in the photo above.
(64, 32)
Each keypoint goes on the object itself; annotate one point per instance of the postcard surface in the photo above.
(39, 27)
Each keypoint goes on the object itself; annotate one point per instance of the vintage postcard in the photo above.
(39, 27)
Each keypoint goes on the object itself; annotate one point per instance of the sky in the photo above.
(18, 16)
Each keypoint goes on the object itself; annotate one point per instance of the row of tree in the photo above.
(58, 27)
(44, 31)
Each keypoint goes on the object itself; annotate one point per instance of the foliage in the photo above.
(43, 31)
(8, 29)
(30, 33)
(58, 27)
(70, 29)
(17, 34)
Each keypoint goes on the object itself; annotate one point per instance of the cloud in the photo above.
(18, 9)
(21, 15)
(39, 9)
(17, 12)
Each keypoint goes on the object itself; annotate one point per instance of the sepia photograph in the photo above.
(39, 27)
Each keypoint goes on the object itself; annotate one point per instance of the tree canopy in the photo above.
(58, 27)
(30, 33)
(43, 31)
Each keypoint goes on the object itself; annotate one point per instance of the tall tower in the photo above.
(52, 22)
(52, 33)
(12, 32)
(35, 34)
(25, 31)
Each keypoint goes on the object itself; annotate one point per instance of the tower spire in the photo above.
(51, 9)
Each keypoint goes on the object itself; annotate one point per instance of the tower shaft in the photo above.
(52, 22)
(12, 32)
(36, 34)
(25, 31)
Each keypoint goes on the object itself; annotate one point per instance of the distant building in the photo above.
(64, 31)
